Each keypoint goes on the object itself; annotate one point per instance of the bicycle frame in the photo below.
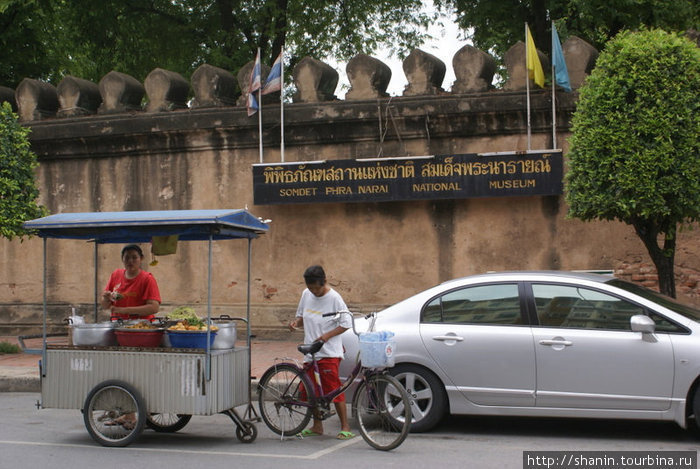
(322, 397)
(325, 399)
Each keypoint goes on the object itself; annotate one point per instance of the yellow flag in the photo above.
(534, 67)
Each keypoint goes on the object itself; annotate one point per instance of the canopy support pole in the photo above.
(247, 304)
(43, 347)
(251, 413)
(209, 278)
(97, 309)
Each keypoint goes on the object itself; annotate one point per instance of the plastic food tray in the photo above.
(139, 337)
(190, 339)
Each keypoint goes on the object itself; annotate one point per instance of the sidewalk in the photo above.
(20, 372)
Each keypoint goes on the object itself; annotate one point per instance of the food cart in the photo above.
(109, 382)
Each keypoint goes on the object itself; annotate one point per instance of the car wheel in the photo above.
(696, 406)
(427, 395)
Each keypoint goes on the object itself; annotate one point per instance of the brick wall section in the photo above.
(644, 273)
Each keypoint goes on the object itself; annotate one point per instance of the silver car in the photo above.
(548, 344)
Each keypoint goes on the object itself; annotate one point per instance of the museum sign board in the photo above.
(455, 176)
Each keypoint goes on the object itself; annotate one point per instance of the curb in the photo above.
(20, 384)
(31, 384)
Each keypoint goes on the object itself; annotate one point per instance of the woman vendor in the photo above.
(131, 293)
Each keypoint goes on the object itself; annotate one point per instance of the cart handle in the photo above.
(34, 351)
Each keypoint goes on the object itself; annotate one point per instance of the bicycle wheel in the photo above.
(383, 411)
(114, 413)
(167, 423)
(282, 388)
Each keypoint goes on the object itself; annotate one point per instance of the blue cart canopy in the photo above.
(140, 227)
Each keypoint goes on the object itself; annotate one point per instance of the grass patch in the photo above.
(7, 348)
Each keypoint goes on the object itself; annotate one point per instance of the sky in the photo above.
(444, 45)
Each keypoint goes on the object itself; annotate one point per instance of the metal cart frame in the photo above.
(106, 382)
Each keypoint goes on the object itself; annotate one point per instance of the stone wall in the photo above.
(101, 149)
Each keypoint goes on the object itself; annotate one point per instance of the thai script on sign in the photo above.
(280, 174)
(483, 168)
(412, 178)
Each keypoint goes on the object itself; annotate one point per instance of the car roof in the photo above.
(591, 276)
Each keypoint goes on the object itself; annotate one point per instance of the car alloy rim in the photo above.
(419, 392)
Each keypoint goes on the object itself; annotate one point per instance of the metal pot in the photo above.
(100, 334)
(226, 335)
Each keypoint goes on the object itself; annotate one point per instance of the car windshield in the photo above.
(665, 301)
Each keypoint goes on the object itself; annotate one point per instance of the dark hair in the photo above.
(132, 247)
(315, 274)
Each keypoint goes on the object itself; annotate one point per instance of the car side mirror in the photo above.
(642, 323)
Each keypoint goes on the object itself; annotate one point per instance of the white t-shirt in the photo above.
(312, 308)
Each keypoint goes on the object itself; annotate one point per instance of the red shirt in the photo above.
(134, 291)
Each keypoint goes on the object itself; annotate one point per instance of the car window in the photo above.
(664, 325)
(577, 307)
(485, 304)
(670, 303)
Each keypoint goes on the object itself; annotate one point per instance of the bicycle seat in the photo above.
(310, 348)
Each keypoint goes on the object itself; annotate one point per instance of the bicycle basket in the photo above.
(377, 349)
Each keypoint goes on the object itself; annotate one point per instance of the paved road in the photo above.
(57, 439)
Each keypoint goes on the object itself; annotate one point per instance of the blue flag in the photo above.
(561, 73)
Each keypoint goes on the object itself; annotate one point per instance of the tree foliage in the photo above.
(496, 25)
(49, 39)
(635, 151)
(18, 192)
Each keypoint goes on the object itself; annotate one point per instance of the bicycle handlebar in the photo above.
(372, 316)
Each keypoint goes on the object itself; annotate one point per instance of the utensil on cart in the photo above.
(226, 335)
(99, 334)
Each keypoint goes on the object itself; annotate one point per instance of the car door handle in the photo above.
(556, 342)
(448, 337)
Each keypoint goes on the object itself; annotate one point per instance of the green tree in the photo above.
(635, 146)
(24, 42)
(87, 39)
(495, 25)
(18, 192)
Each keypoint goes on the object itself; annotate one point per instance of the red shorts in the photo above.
(330, 379)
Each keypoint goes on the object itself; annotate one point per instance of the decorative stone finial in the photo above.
(8, 94)
(517, 71)
(36, 100)
(580, 59)
(244, 82)
(213, 87)
(78, 97)
(166, 91)
(120, 93)
(315, 81)
(369, 78)
(424, 73)
(474, 70)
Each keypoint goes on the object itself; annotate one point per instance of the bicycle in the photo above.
(381, 405)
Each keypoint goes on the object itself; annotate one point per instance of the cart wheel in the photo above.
(167, 423)
(114, 413)
(247, 432)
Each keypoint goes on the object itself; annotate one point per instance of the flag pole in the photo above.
(527, 87)
(554, 97)
(260, 116)
(282, 104)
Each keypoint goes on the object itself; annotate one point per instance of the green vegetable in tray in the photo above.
(185, 312)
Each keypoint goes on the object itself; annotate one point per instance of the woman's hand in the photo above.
(295, 324)
(106, 299)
